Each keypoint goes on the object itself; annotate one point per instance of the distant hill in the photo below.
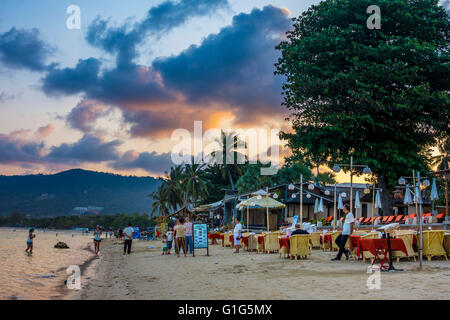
(59, 194)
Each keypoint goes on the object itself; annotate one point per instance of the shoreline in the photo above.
(148, 275)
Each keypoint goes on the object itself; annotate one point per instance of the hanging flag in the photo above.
(316, 206)
(321, 205)
(340, 204)
(407, 199)
(377, 200)
(357, 201)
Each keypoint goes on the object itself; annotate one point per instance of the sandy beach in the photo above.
(146, 274)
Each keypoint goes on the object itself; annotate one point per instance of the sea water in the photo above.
(42, 274)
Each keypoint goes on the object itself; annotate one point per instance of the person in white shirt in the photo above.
(237, 235)
(128, 233)
(347, 230)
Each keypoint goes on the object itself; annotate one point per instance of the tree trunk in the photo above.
(231, 178)
(386, 196)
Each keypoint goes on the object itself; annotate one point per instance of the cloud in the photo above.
(151, 162)
(44, 132)
(14, 148)
(23, 49)
(6, 97)
(124, 39)
(233, 67)
(89, 148)
(69, 81)
(83, 116)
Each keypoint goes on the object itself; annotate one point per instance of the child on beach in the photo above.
(169, 235)
(164, 242)
(31, 236)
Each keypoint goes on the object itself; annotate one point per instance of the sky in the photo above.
(109, 95)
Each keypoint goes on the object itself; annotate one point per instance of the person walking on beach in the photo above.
(188, 237)
(180, 231)
(237, 234)
(128, 233)
(30, 238)
(97, 239)
(169, 235)
(347, 230)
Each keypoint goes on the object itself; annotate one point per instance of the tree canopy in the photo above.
(379, 95)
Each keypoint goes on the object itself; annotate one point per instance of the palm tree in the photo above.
(172, 187)
(160, 202)
(230, 168)
(441, 160)
(194, 182)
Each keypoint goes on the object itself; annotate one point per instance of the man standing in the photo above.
(347, 230)
(237, 234)
(188, 237)
(180, 233)
(128, 233)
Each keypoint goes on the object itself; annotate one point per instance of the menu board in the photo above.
(200, 233)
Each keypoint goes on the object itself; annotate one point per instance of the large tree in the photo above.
(379, 95)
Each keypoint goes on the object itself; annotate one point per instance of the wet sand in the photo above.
(146, 274)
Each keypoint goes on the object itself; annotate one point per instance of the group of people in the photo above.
(182, 233)
(127, 234)
(340, 241)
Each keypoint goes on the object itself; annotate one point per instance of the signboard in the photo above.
(200, 236)
(137, 233)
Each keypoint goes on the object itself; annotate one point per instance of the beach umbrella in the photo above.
(434, 192)
(407, 198)
(340, 204)
(378, 200)
(321, 205)
(316, 206)
(357, 201)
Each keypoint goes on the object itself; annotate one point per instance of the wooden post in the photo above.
(301, 201)
(351, 185)
(248, 197)
(446, 194)
(267, 211)
(334, 209)
(373, 203)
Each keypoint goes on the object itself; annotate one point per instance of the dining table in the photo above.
(214, 237)
(379, 248)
